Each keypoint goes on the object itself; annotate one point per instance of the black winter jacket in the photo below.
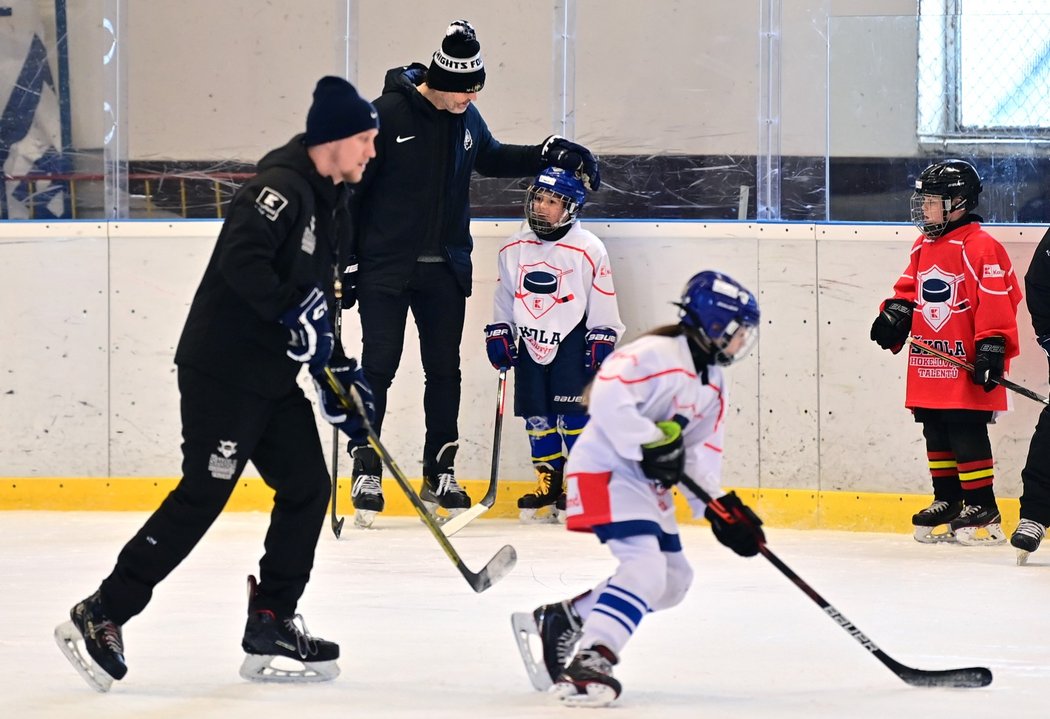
(1037, 287)
(284, 231)
(415, 194)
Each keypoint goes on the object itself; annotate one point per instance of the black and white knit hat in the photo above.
(457, 66)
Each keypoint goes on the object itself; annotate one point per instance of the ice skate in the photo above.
(588, 680)
(281, 649)
(366, 492)
(539, 505)
(978, 525)
(102, 640)
(558, 627)
(932, 524)
(1026, 539)
(440, 488)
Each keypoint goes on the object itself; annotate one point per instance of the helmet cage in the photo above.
(955, 182)
(554, 182)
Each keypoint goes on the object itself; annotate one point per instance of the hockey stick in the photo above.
(959, 678)
(1002, 381)
(462, 519)
(337, 522)
(497, 567)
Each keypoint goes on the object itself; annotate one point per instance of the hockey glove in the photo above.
(499, 343)
(600, 343)
(890, 329)
(572, 157)
(347, 419)
(989, 362)
(310, 325)
(664, 460)
(735, 525)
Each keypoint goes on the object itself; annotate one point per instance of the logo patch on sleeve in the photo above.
(993, 271)
(270, 203)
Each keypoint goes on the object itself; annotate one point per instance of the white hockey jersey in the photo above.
(546, 288)
(649, 380)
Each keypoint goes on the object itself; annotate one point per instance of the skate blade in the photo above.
(538, 515)
(596, 694)
(363, 518)
(930, 535)
(1022, 557)
(990, 535)
(68, 638)
(261, 668)
(525, 625)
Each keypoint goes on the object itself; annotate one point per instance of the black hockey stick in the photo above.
(462, 519)
(960, 678)
(497, 567)
(1001, 381)
(337, 522)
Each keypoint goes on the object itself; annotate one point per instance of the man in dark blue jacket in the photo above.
(414, 244)
(260, 313)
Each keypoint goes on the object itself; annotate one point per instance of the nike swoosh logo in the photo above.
(400, 139)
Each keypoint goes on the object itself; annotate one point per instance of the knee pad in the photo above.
(679, 579)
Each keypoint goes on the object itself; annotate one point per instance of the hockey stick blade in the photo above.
(1001, 381)
(968, 677)
(496, 568)
(462, 519)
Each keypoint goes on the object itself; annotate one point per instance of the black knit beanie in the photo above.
(457, 66)
(337, 112)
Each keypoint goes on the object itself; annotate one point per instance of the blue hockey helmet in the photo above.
(559, 183)
(723, 313)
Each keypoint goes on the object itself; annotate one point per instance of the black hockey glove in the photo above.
(310, 325)
(735, 525)
(600, 343)
(890, 329)
(568, 155)
(499, 344)
(347, 419)
(989, 362)
(664, 459)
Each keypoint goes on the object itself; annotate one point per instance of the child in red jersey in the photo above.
(958, 293)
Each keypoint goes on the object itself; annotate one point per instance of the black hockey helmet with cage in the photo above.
(955, 182)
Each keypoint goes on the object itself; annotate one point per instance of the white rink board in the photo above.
(93, 313)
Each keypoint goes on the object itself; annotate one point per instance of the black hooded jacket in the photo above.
(415, 194)
(284, 231)
(1037, 287)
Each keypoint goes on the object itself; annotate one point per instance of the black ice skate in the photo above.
(1026, 539)
(558, 628)
(299, 657)
(540, 505)
(931, 524)
(101, 638)
(978, 525)
(366, 492)
(440, 488)
(588, 680)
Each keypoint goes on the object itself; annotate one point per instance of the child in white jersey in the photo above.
(657, 408)
(555, 320)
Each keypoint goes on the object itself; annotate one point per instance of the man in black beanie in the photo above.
(414, 243)
(260, 313)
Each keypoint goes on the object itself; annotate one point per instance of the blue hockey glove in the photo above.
(572, 157)
(664, 459)
(499, 344)
(600, 343)
(347, 419)
(989, 362)
(735, 525)
(310, 325)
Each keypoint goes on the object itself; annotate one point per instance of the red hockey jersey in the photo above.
(964, 290)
